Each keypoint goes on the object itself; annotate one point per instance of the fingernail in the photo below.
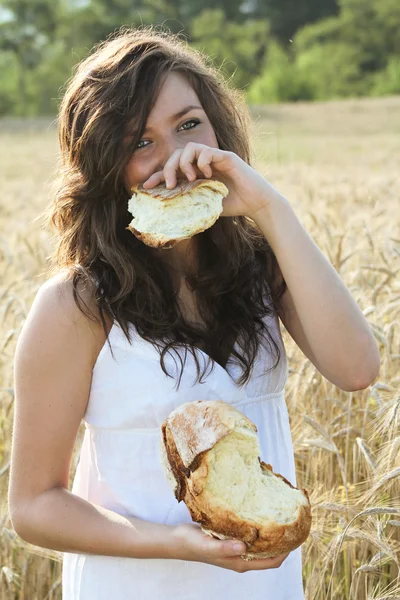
(238, 548)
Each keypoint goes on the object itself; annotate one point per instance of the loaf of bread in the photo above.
(163, 217)
(210, 455)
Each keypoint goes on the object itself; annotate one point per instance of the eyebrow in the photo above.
(182, 112)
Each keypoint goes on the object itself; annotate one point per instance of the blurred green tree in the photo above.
(26, 28)
(287, 17)
(332, 70)
(369, 29)
(292, 50)
(279, 80)
(237, 49)
(387, 81)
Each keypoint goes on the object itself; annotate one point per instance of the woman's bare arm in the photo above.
(53, 365)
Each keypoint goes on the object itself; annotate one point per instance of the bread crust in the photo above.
(157, 241)
(187, 434)
(165, 195)
(181, 188)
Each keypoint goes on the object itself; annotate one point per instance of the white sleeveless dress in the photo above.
(120, 469)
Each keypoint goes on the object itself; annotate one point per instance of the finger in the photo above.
(266, 563)
(170, 169)
(226, 548)
(190, 173)
(276, 561)
(204, 162)
(154, 180)
(188, 168)
(189, 156)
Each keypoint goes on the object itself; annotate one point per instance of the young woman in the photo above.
(104, 333)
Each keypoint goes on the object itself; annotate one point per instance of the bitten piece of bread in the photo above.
(163, 217)
(210, 455)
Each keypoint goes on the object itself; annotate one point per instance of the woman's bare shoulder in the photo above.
(57, 296)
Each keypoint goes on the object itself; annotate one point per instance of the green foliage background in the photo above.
(275, 50)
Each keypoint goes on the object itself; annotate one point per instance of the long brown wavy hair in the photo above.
(111, 92)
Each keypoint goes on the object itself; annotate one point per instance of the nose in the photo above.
(168, 146)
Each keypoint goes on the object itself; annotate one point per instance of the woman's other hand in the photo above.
(191, 543)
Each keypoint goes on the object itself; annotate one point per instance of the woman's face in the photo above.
(176, 119)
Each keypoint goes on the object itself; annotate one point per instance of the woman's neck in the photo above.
(181, 259)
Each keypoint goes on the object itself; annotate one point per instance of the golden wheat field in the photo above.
(339, 165)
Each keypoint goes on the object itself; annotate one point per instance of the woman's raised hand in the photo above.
(249, 192)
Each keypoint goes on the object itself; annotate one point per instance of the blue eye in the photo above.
(195, 121)
(140, 143)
